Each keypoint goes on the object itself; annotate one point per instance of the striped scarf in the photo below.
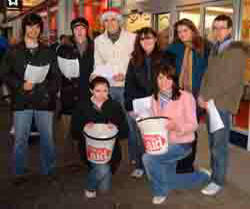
(164, 98)
(185, 79)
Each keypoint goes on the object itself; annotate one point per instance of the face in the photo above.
(100, 92)
(80, 33)
(32, 31)
(148, 42)
(164, 83)
(220, 30)
(184, 33)
(111, 24)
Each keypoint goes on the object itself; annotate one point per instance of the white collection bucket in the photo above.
(100, 141)
(154, 134)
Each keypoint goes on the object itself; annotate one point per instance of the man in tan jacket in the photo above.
(223, 82)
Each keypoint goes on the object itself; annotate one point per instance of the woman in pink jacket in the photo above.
(180, 108)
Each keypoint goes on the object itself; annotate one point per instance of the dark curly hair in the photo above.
(30, 20)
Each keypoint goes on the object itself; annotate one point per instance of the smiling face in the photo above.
(221, 30)
(100, 92)
(32, 31)
(148, 42)
(164, 83)
(111, 24)
(184, 33)
(80, 33)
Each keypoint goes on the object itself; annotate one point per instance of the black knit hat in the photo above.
(79, 21)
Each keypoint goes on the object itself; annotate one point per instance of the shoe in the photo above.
(90, 194)
(137, 173)
(157, 200)
(211, 189)
(204, 170)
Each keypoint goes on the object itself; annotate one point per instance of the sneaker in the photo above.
(211, 189)
(204, 170)
(137, 173)
(157, 200)
(90, 194)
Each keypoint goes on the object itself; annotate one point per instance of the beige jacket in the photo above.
(116, 55)
(224, 78)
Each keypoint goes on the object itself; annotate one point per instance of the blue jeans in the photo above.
(117, 94)
(44, 124)
(99, 177)
(218, 144)
(161, 171)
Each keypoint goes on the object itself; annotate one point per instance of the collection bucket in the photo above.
(154, 134)
(100, 141)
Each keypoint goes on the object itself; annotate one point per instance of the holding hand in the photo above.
(171, 125)
(118, 77)
(27, 86)
(202, 103)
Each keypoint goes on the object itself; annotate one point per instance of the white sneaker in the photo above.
(157, 200)
(211, 189)
(137, 173)
(90, 194)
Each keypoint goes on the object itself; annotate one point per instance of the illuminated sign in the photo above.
(13, 4)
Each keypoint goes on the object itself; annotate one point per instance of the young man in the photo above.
(76, 62)
(30, 71)
(113, 48)
(224, 84)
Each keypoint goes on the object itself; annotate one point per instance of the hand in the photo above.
(27, 86)
(110, 125)
(203, 104)
(118, 77)
(133, 114)
(90, 125)
(171, 125)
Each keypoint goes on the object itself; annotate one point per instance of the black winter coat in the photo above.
(76, 89)
(139, 80)
(43, 95)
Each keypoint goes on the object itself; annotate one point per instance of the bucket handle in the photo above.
(149, 118)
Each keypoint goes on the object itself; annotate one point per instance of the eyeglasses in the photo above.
(146, 38)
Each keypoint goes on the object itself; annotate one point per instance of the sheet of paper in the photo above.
(215, 121)
(69, 67)
(36, 74)
(142, 107)
(104, 71)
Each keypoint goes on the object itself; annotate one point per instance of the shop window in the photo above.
(193, 15)
(213, 11)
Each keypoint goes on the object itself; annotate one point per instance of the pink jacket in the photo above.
(183, 112)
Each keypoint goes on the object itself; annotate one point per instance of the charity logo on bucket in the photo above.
(98, 155)
(155, 143)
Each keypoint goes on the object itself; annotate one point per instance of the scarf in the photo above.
(164, 98)
(82, 47)
(185, 79)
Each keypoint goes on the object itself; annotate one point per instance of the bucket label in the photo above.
(98, 155)
(155, 143)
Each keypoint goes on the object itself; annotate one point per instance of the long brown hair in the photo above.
(138, 55)
(197, 42)
(170, 72)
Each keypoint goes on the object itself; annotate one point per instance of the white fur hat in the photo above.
(114, 12)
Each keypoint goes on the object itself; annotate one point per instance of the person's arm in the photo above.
(7, 73)
(190, 118)
(130, 88)
(122, 122)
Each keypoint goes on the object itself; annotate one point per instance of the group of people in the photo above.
(180, 79)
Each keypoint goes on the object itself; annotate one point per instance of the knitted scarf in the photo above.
(185, 79)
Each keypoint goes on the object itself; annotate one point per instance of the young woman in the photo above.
(100, 108)
(180, 108)
(139, 83)
(191, 63)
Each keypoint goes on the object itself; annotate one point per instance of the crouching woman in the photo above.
(99, 109)
(180, 108)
